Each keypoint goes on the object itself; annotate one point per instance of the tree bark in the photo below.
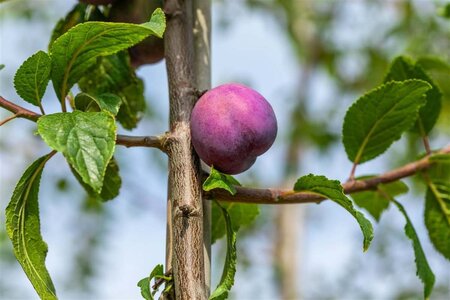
(202, 66)
(184, 195)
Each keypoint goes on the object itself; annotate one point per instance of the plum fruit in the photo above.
(230, 126)
(150, 50)
(97, 2)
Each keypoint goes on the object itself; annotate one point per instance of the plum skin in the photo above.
(231, 125)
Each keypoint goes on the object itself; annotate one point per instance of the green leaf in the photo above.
(113, 74)
(424, 271)
(445, 11)
(32, 77)
(437, 215)
(144, 284)
(437, 69)
(2, 66)
(440, 158)
(229, 268)
(376, 202)
(87, 140)
(111, 182)
(217, 180)
(106, 101)
(403, 69)
(379, 118)
(332, 190)
(76, 51)
(76, 16)
(23, 228)
(241, 214)
(433, 63)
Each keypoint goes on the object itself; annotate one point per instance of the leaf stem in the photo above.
(41, 108)
(63, 105)
(426, 143)
(352, 172)
(425, 140)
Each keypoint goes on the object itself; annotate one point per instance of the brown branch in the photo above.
(19, 110)
(278, 196)
(142, 141)
(124, 140)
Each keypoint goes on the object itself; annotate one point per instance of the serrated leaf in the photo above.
(113, 74)
(229, 268)
(437, 215)
(87, 140)
(424, 271)
(111, 182)
(218, 180)
(379, 118)
(332, 190)
(402, 69)
(76, 16)
(23, 228)
(241, 214)
(32, 78)
(107, 101)
(76, 51)
(376, 202)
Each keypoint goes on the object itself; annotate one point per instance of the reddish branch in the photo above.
(255, 195)
(278, 196)
(124, 140)
(19, 111)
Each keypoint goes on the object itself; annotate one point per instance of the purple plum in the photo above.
(231, 125)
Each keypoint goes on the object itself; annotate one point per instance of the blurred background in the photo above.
(311, 60)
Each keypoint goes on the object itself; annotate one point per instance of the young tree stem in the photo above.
(185, 194)
(202, 66)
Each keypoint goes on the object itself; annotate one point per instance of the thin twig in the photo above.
(142, 141)
(9, 119)
(278, 196)
(124, 140)
(19, 110)
(161, 280)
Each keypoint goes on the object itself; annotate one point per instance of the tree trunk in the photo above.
(202, 67)
(185, 224)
